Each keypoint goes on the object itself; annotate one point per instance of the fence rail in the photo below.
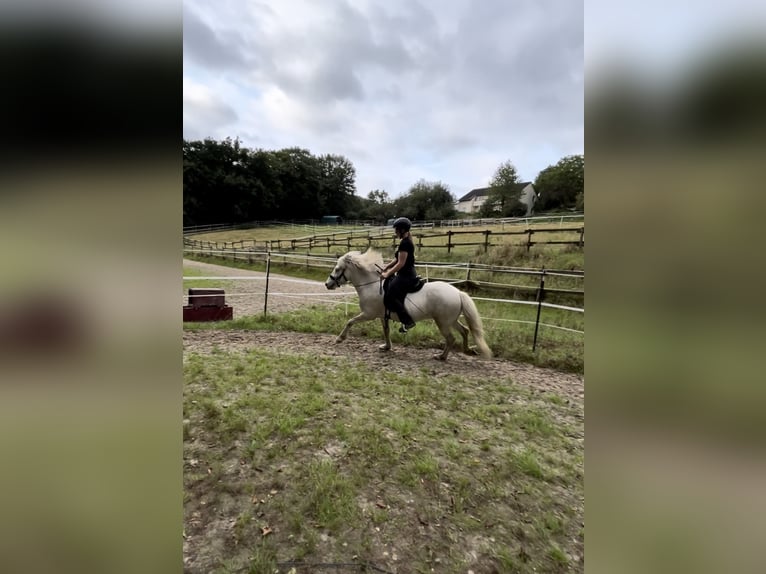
(380, 237)
(486, 243)
(462, 274)
(541, 291)
(368, 223)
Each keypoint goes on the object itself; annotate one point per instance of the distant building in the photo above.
(474, 199)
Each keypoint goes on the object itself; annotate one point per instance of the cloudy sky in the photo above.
(443, 90)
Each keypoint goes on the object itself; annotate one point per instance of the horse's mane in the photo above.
(366, 260)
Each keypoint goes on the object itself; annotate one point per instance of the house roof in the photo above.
(482, 191)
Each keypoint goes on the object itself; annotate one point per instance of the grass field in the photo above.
(434, 248)
(325, 460)
(203, 283)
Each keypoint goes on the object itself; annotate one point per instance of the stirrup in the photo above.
(404, 328)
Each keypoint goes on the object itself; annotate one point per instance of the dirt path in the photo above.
(285, 293)
(400, 360)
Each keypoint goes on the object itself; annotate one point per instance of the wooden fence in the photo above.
(381, 237)
(488, 233)
(464, 222)
(563, 283)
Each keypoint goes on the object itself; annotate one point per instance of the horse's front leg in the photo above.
(344, 333)
(386, 336)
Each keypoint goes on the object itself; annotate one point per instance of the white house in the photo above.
(474, 199)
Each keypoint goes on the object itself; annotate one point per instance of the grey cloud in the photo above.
(501, 71)
(350, 45)
(203, 44)
(453, 142)
(333, 81)
(515, 61)
(203, 120)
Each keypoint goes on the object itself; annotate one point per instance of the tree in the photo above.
(559, 185)
(215, 185)
(338, 184)
(379, 206)
(426, 200)
(299, 174)
(503, 197)
(225, 182)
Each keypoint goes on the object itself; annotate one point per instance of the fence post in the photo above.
(449, 241)
(540, 297)
(468, 272)
(266, 294)
(529, 238)
(486, 239)
(582, 235)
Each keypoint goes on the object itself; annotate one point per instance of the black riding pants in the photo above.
(395, 293)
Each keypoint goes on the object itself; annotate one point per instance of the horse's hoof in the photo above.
(440, 357)
(339, 339)
(384, 347)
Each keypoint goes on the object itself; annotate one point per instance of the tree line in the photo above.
(225, 182)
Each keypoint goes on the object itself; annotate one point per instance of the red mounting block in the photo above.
(207, 305)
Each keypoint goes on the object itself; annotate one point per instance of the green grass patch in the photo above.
(202, 283)
(323, 460)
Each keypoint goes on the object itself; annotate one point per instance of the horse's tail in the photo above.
(474, 324)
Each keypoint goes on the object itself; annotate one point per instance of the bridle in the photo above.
(337, 279)
(342, 276)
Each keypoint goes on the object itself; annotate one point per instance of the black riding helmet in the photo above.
(403, 224)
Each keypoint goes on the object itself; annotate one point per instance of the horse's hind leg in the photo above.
(463, 330)
(450, 341)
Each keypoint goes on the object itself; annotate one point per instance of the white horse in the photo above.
(438, 301)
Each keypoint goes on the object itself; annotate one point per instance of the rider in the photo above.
(402, 268)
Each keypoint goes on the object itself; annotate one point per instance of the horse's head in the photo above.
(354, 266)
(338, 277)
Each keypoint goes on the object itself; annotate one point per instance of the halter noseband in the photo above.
(339, 277)
(342, 275)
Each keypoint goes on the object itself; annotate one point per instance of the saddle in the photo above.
(417, 286)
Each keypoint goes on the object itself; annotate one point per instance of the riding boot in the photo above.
(394, 301)
(404, 317)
